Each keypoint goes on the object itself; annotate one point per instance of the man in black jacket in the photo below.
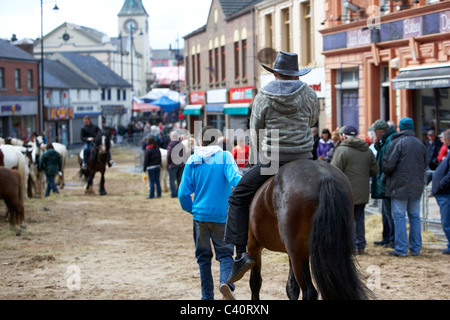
(404, 166)
(441, 191)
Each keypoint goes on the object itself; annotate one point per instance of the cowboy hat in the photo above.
(286, 64)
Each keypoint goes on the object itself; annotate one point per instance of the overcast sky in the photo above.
(168, 19)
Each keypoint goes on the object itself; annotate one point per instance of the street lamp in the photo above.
(41, 108)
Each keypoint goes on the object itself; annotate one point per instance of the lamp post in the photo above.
(41, 107)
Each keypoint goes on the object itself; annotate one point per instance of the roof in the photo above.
(164, 54)
(231, 7)
(132, 8)
(96, 70)
(57, 75)
(9, 51)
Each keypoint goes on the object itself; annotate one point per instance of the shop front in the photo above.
(399, 69)
(94, 111)
(215, 101)
(237, 109)
(194, 111)
(58, 124)
(18, 118)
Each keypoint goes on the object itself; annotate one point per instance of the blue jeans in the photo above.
(444, 208)
(204, 233)
(175, 175)
(51, 185)
(153, 178)
(399, 209)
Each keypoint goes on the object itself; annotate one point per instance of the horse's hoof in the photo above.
(103, 193)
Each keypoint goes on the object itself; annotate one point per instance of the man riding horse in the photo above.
(287, 108)
(88, 134)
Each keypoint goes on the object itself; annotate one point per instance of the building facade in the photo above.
(221, 70)
(19, 92)
(388, 60)
(293, 26)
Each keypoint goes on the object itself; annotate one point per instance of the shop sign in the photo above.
(11, 108)
(358, 38)
(444, 21)
(239, 95)
(412, 27)
(197, 97)
(216, 96)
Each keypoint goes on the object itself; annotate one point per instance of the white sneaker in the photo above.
(226, 292)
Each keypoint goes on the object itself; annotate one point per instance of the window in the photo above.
(268, 31)
(103, 97)
(244, 58)
(198, 67)
(216, 65)
(2, 78)
(30, 79)
(124, 94)
(193, 69)
(109, 94)
(211, 68)
(286, 30)
(236, 60)
(222, 50)
(17, 79)
(307, 43)
(118, 94)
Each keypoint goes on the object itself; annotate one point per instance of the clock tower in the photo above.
(133, 32)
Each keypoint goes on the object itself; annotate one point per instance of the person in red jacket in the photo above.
(240, 154)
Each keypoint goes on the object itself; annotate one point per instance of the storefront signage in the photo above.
(60, 113)
(216, 96)
(444, 21)
(197, 97)
(358, 37)
(412, 27)
(243, 94)
(11, 108)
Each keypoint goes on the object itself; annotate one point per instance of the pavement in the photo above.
(429, 213)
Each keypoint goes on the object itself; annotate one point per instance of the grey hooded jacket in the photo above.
(286, 109)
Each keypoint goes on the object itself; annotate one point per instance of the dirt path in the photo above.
(123, 246)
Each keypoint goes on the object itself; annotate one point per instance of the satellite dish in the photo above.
(267, 55)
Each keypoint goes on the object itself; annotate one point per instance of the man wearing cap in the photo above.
(383, 135)
(286, 108)
(357, 162)
(404, 166)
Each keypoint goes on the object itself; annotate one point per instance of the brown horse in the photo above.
(96, 163)
(11, 192)
(306, 210)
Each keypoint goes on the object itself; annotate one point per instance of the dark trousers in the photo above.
(388, 221)
(175, 174)
(359, 231)
(236, 230)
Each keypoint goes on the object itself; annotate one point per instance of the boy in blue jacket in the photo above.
(209, 174)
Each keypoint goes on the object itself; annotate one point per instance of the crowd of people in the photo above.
(399, 167)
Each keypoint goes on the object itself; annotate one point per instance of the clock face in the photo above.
(66, 37)
(131, 26)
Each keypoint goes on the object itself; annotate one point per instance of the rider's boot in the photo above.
(241, 264)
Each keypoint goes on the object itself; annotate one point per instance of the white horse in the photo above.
(188, 144)
(15, 159)
(38, 148)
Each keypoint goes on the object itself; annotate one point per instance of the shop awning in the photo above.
(193, 109)
(423, 77)
(236, 108)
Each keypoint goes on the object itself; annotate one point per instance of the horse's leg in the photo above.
(89, 184)
(254, 250)
(292, 287)
(302, 273)
(102, 190)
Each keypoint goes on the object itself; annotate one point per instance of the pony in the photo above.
(306, 211)
(14, 159)
(97, 162)
(11, 191)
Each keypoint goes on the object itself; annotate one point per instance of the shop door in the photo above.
(350, 108)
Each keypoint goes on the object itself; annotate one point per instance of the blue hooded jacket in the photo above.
(209, 174)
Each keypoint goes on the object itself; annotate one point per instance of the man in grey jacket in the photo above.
(285, 109)
(354, 158)
(405, 165)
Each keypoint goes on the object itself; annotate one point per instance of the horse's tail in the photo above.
(331, 249)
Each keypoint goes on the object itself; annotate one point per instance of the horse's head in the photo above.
(102, 143)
